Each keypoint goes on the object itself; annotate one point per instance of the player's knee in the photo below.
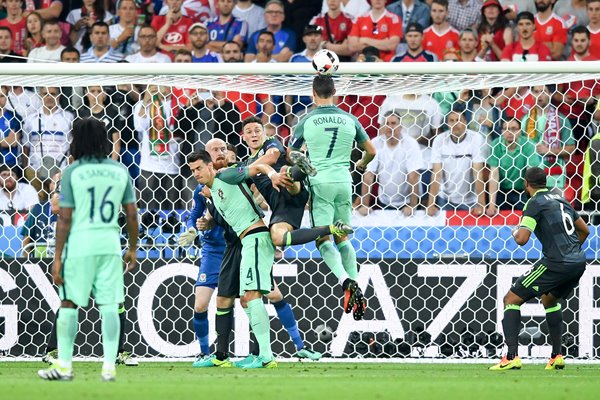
(322, 240)
(249, 296)
(225, 302)
(67, 304)
(340, 239)
(275, 295)
(512, 298)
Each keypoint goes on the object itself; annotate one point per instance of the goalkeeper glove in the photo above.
(187, 238)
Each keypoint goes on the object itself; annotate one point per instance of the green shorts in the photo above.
(258, 256)
(100, 275)
(330, 202)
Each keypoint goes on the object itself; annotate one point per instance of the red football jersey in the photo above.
(365, 109)
(387, 26)
(537, 52)
(19, 34)
(518, 106)
(578, 90)
(595, 43)
(340, 26)
(438, 42)
(552, 30)
(177, 34)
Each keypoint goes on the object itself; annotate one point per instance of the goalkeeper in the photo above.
(213, 248)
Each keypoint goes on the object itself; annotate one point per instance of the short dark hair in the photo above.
(238, 45)
(99, 24)
(231, 147)
(200, 155)
(90, 139)
(525, 15)
(52, 21)
(324, 86)
(252, 120)
(69, 49)
(268, 33)
(184, 52)
(581, 29)
(6, 29)
(443, 3)
(536, 177)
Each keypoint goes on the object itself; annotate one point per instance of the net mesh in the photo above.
(434, 277)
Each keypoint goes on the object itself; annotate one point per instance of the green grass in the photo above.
(178, 381)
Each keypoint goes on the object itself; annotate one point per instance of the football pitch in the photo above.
(18, 380)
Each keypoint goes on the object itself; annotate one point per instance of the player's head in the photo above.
(253, 133)
(580, 40)
(414, 36)
(232, 52)
(391, 125)
(202, 168)
(231, 154)
(323, 87)
(535, 179)
(8, 179)
(439, 11)
(511, 130)
(90, 139)
(525, 24)
(593, 11)
(457, 121)
(218, 152)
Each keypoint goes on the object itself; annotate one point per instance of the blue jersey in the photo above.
(9, 122)
(283, 38)
(212, 239)
(227, 31)
(209, 57)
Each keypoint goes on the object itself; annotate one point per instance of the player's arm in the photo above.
(368, 155)
(583, 231)
(235, 176)
(270, 157)
(529, 221)
(188, 237)
(63, 227)
(132, 235)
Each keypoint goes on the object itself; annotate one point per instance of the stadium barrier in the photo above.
(417, 309)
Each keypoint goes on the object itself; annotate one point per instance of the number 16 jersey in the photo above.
(329, 134)
(95, 189)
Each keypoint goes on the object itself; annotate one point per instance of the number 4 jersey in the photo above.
(552, 219)
(329, 134)
(95, 189)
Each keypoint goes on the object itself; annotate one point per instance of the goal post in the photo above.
(434, 283)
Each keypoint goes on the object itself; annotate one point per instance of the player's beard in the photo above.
(541, 7)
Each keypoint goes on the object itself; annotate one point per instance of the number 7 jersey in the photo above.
(329, 134)
(95, 190)
(552, 219)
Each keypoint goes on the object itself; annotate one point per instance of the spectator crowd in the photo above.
(449, 150)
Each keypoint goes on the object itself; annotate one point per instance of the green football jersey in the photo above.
(329, 134)
(233, 199)
(95, 189)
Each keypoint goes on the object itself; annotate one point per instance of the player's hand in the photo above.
(432, 210)
(477, 210)
(362, 210)
(130, 260)
(56, 272)
(408, 211)
(187, 238)
(280, 181)
(491, 210)
(361, 165)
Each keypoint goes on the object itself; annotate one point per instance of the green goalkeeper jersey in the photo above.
(329, 134)
(233, 198)
(95, 189)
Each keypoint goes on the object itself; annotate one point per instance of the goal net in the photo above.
(432, 215)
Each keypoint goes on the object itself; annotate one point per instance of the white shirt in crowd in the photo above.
(418, 116)
(457, 165)
(42, 54)
(128, 47)
(254, 17)
(166, 163)
(354, 8)
(24, 197)
(74, 16)
(25, 103)
(392, 165)
(48, 135)
(156, 58)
